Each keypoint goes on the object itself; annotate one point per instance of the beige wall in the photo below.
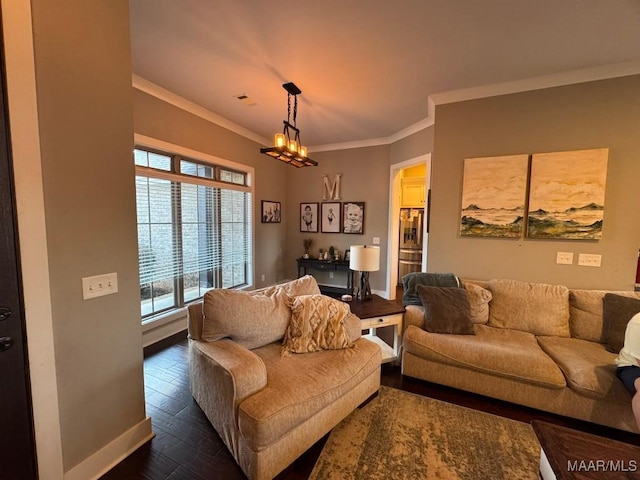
(81, 119)
(365, 178)
(83, 78)
(589, 115)
(420, 143)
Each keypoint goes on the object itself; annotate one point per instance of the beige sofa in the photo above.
(543, 346)
(269, 407)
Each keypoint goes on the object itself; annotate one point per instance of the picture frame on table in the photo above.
(271, 212)
(330, 214)
(353, 217)
(309, 217)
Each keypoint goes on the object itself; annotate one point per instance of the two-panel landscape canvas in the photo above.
(565, 200)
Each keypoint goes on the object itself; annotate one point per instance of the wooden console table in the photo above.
(305, 264)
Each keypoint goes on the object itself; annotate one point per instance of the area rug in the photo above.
(399, 435)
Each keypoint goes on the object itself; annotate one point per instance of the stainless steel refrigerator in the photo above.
(411, 232)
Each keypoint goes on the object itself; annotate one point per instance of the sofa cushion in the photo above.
(505, 353)
(317, 323)
(300, 386)
(537, 308)
(588, 367)
(617, 311)
(250, 320)
(479, 299)
(446, 310)
(586, 308)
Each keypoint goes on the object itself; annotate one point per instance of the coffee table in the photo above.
(379, 312)
(571, 454)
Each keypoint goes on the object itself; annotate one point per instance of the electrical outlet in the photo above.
(330, 274)
(99, 285)
(564, 258)
(262, 277)
(376, 240)
(589, 260)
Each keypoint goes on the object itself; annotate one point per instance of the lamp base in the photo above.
(364, 293)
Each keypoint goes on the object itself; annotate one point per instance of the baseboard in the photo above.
(113, 453)
(154, 334)
(164, 343)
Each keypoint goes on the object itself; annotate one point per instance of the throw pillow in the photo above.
(248, 319)
(305, 285)
(446, 310)
(317, 323)
(617, 311)
(479, 299)
(411, 281)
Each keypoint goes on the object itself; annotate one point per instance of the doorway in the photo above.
(395, 204)
(17, 447)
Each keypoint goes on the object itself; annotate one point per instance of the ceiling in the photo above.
(366, 68)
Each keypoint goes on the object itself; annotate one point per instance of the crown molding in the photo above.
(160, 93)
(329, 147)
(536, 83)
(571, 77)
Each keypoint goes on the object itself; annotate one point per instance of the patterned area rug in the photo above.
(399, 435)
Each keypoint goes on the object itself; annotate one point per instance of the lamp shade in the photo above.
(364, 259)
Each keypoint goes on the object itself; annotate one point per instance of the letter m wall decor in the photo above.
(331, 191)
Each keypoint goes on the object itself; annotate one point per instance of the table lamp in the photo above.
(364, 260)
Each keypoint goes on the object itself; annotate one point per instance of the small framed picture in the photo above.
(353, 217)
(271, 211)
(309, 217)
(330, 213)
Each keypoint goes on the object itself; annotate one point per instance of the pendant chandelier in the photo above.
(287, 148)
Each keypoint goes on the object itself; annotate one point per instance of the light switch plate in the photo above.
(99, 285)
(564, 258)
(589, 260)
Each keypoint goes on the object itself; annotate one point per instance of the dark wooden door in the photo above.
(17, 448)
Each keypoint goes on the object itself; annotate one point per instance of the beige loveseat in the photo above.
(269, 405)
(543, 346)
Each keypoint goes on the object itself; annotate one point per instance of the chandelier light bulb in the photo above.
(293, 146)
(279, 140)
(303, 151)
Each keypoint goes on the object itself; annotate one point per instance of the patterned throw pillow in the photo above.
(317, 323)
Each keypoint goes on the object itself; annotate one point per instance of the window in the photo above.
(194, 229)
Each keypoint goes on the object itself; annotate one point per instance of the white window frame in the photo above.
(151, 143)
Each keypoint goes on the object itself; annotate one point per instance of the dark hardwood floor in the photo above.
(186, 447)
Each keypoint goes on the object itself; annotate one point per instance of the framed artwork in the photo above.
(566, 197)
(309, 217)
(494, 191)
(353, 217)
(271, 211)
(330, 213)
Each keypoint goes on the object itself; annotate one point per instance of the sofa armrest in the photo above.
(194, 320)
(223, 374)
(414, 315)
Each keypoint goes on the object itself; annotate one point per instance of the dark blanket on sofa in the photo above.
(411, 281)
